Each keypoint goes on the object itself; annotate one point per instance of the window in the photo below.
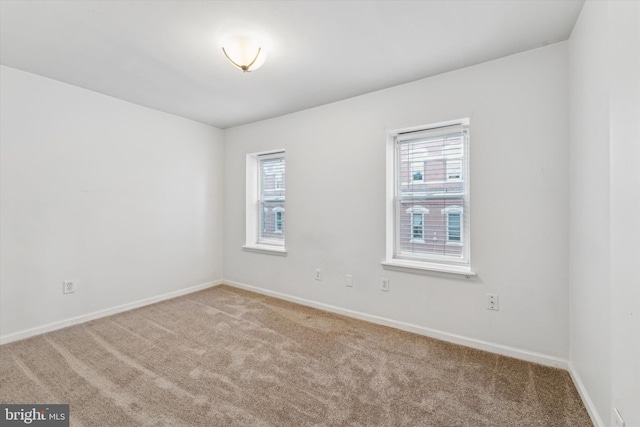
(454, 170)
(417, 229)
(279, 180)
(417, 171)
(427, 171)
(417, 223)
(278, 219)
(454, 224)
(265, 219)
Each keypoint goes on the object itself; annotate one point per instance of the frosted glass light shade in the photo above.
(244, 53)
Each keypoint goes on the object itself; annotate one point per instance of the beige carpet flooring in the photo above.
(228, 357)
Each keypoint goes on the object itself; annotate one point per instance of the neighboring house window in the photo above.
(417, 222)
(438, 156)
(279, 180)
(278, 219)
(454, 224)
(417, 229)
(265, 220)
(417, 171)
(454, 170)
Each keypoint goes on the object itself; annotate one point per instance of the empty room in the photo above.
(320, 213)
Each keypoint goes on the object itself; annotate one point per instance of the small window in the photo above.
(278, 219)
(265, 202)
(279, 181)
(417, 230)
(417, 171)
(454, 170)
(454, 224)
(416, 222)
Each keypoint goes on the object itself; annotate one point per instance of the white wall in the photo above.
(624, 23)
(518, 108)
(605, 207)
(589, 205)
(125, 200)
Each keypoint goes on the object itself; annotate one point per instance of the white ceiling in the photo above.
(166, 54)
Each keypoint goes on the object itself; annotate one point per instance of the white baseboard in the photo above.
(588, 403)
(433, 333)
(102, 313)
(516, 353)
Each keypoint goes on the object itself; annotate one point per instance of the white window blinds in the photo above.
(271, 199)
(431, 195)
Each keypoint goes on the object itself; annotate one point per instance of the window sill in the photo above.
(427, 268)
(266, 249)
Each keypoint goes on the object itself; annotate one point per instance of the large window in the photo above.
(266, 225)
(428, 193)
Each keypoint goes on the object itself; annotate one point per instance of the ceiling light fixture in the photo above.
(244, 53)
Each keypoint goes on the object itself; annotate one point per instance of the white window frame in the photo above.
(430, 263)
(253, 223)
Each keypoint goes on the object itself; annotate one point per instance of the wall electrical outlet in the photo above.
(318, 274)
(492, 302)
(384, 284)
(68, 287)
(349, 280)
